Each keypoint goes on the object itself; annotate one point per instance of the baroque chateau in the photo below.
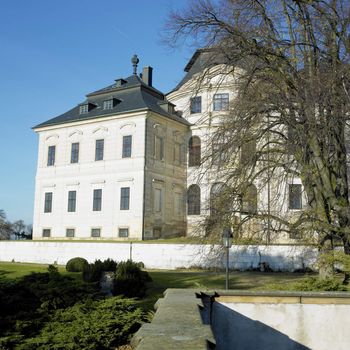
(125, 163)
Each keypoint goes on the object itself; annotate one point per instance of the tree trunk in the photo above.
(346, 245)
(326, 268)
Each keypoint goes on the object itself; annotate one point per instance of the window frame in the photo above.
(159, 205)
(74, 154)
(108, 104)
(71, 229)
(51, 155)
(84, 108)
(72, 202)
(127, 146)
(99, 149)
(45, 235)
(221, 101)
(159, 147)
(291, 205)
(196, 104)
(94, 235)
(194, 151)
(123, 228)
(48, 202)
(97, 199)
(124, 199)
(194, 200)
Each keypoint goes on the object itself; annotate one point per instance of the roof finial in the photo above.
(135, 61)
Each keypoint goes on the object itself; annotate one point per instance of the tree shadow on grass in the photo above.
(4, 275)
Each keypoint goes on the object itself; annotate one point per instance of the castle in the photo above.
(124, 163)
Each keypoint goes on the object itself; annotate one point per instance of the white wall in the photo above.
(159, 256)
(280, 326)
(109, 174)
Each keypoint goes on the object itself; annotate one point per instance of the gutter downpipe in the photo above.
(144, 181)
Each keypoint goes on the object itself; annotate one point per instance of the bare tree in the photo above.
(5, 226)
(290, 60)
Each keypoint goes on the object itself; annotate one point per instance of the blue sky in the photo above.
(52, 53)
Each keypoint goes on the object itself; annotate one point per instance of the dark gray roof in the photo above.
(204, 58)
(131, 95)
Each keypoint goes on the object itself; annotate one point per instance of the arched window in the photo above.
(215, 197)
(194, 200)
(250, 200)
(194, 151)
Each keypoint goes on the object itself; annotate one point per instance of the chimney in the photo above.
(147, 75)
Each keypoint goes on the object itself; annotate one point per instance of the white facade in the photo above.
(104, 193)
(209, 84)
(158, 175)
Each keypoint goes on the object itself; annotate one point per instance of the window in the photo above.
(48, 202)
(159, 148)
(127, 142)
(51, 155)
(295, 196)
(46, 232)
(219, 156)
(178, 204)
(194, 200)
(157, 200)
(123, 232)
(220, 102)
(177, 153)
(108, 104)
(194, 151)
(217, 198)
(157, 232)
(74, 155)
(250, 200)
(83, 109)
(196, 104)
(70, 232)
(72, 197)
(95, 232)
(124, 198)
(99, 149)
(97, 200)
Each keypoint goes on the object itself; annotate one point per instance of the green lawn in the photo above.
(163, 279)
(9, 270)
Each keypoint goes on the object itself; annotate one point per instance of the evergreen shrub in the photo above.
(76, 264)
(130, 280)
(93, 272)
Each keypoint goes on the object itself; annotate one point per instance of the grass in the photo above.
(197, 279)
(9, 270)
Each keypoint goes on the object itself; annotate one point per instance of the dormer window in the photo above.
(83, 109)
(108, 104)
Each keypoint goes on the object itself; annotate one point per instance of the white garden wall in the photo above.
(160, 256)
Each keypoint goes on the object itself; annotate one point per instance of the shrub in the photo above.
(130, 279)
(103, 324)
(310, 284)
(76, 264)
(317, 284)
(93, 272)
(109, 265)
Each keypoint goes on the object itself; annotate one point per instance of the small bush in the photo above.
(130, 280)
(317, 284)
(76, 264)
(310, 284)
